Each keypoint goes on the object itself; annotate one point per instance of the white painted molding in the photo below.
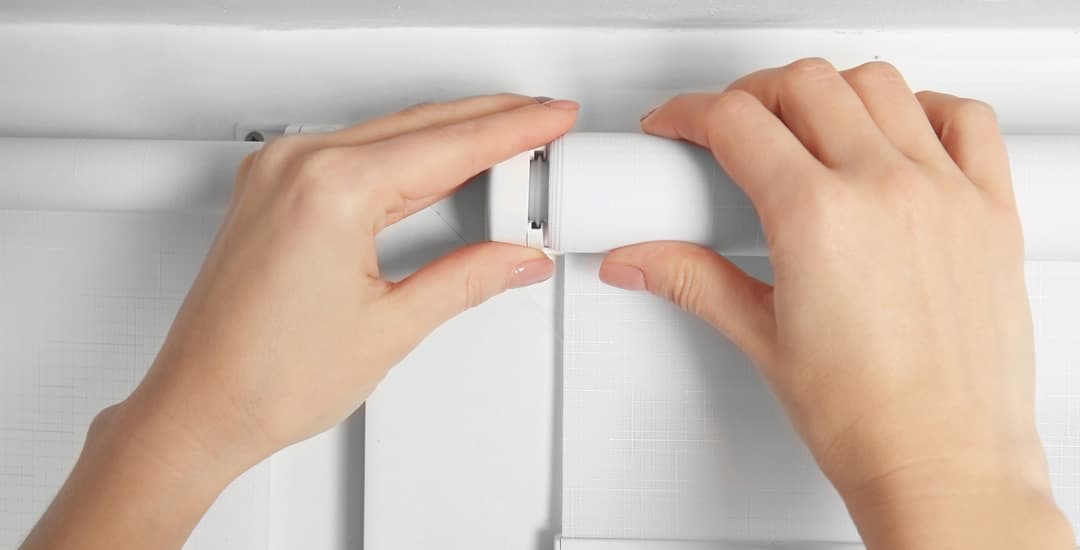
(185, 82)
(699, 13)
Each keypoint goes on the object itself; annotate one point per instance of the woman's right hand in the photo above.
(897, 334)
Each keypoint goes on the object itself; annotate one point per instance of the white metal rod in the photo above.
(113, 174)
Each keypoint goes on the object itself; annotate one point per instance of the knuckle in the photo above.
(418, 109)
(874, 72)
(244, 168)
(273, 160)
(508, 98)
(968, 110)
(465, 131)
(809, 67)
(462, 129)
(279, 150)
(729, 104)
(247, 161)
(316, 167)
(475, 290)
(684, 285)
(320, 190)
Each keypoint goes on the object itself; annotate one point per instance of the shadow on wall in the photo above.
(545, 536)
(354, 481)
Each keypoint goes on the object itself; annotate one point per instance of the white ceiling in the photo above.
(346, 13)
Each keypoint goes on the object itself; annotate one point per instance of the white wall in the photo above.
(343, 13)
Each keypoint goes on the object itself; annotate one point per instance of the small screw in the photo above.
(254, 135)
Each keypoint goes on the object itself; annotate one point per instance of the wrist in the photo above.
(184, 406)
(914, 446)
(937, 505)
(130, 488)
(178, 436)
(127, 434)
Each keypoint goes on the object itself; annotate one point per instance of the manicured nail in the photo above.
(562, 104)
(531, 272)
(542, 98)
(648, 114)
(623, 276)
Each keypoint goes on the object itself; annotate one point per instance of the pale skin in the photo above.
(896, 335)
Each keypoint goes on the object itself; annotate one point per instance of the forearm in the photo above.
(131, 488)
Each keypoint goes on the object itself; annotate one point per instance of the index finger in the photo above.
(752, 145)
(417, 169)
(426, 115)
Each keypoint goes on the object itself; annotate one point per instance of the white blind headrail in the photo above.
(171, 175)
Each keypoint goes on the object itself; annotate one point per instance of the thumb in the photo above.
(463, 279)
(704, 283)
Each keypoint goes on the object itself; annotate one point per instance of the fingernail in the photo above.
(648, 114)
(531, 272)
(562, 104)
(542, 98)
(623, 276)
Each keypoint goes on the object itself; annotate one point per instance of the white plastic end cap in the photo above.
(508, 202)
